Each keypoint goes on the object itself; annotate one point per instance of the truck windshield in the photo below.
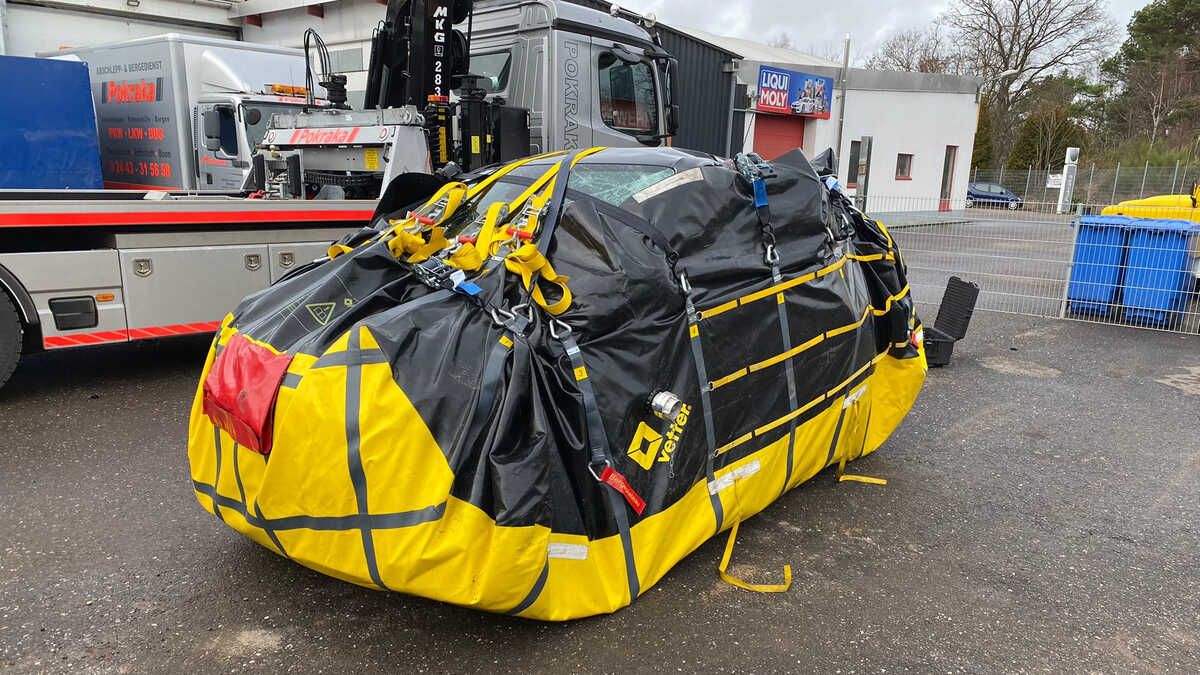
(628, 101)
(258, 117)
(493, 68)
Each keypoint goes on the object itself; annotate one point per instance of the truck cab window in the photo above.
(628, 100)
(258, 119)
(229, 136)
(493, 68)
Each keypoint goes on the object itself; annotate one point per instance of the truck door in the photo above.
(571, 124)
(625, 95)
(218, 154)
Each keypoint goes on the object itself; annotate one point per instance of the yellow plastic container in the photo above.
(1172, 207)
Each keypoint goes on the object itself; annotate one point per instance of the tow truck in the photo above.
(82, 268)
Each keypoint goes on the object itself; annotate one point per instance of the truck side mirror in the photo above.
(212, 129)
(673, 119)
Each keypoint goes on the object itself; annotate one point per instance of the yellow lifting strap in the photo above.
(842, 477)
(758, 588)
(405, 243)
(437, 241)
(337, 249)
(527, 261)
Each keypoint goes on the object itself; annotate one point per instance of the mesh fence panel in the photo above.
(1097, 185)
(1032, 260)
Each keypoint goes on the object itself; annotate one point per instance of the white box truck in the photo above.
(153, 94)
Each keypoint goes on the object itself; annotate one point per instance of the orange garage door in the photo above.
(775, 135)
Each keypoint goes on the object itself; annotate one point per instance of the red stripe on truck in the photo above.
(179, 218)
(103, 337)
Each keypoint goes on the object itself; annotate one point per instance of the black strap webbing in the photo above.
(710, 433)
(599, 455)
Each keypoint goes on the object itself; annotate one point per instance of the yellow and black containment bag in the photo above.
(535, 389)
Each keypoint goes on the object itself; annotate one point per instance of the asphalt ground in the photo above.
(1042, 514)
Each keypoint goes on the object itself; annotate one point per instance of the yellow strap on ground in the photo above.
(337, 249)
(842, 477)
(527, 261)
(862, 479)
(758, 588)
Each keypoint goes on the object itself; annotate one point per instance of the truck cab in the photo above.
(230, 129)
(586, 78)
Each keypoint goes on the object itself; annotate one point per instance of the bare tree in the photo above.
(1031, 38)
(782, 41)
(919, 50)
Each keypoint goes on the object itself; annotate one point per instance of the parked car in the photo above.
(991, 194)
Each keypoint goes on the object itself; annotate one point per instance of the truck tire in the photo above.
(11, 336)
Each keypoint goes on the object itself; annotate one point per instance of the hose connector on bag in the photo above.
(665, 405)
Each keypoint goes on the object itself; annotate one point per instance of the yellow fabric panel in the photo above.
(578, 588)
(307, 473)
(892, 401)
(463, 558)
(812, 445)
(338, 553)
(396, 447)
(756, 491)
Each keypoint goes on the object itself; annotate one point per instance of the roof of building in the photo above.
(756, 51)
(605, 6)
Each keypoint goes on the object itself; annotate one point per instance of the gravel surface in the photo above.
(1042, 514)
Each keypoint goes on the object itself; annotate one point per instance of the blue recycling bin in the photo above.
(1158, 277)
(1097, 264)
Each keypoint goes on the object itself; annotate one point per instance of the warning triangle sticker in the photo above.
(321, 311)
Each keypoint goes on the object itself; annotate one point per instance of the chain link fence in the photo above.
(1032, 260)
(1094, 184)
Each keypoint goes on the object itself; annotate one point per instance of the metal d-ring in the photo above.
(559, 329)
(497, 313)
(524, 307)
(772, 255)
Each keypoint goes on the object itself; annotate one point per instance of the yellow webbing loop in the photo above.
(437, 241)
(466, 258)
(528, 260)
(337, 249)
(757, 588)
(405, 243)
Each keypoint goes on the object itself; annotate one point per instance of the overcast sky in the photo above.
(818, 26)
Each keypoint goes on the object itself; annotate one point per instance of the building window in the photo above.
(345, 60)
(628, 100)
(903, 166)
(852, 168)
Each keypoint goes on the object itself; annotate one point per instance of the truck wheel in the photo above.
(10, 338)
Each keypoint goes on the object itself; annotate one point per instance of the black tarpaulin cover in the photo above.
(548, 383)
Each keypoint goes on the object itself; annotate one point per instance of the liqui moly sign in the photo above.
(793, 93)
(773, 88)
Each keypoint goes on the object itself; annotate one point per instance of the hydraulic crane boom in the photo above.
(416, 54)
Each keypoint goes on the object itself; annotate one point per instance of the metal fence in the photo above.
(1034, 261)
(1094, 184)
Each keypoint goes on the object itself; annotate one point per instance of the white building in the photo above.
(921, 125)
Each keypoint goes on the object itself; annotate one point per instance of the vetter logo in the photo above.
(773, 88)
(132, 92)
(649, 445)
